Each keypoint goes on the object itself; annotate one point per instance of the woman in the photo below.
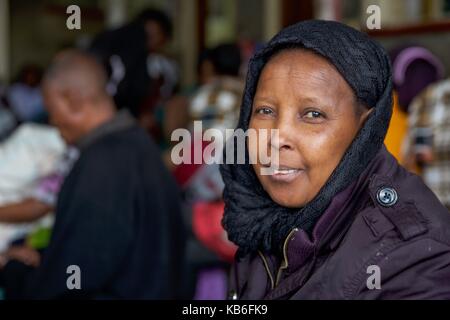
(339, 218)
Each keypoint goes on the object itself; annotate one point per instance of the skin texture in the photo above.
(303, 96)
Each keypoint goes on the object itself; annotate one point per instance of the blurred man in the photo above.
(118, 218)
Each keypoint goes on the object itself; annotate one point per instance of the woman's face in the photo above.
(314, 109)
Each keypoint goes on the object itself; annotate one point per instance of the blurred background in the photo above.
(32, 31)
(171, 62)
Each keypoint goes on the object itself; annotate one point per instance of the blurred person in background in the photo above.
(25, 96)
(176, 113)
(35, 205)
(162, 70)
(414, 68)
(7, 119)
(118, 215)
(428, 141)
(27, 156)
(216, 105)
(141, 76)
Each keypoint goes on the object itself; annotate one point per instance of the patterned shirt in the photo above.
(429, 128)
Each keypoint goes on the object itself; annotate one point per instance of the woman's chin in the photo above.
(288, 202)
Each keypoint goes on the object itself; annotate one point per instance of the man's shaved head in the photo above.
(74, 88)
(77, 72)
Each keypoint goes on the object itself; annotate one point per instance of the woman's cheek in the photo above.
(252, 145)
(328, 152)
(314, 146)
(258, 142)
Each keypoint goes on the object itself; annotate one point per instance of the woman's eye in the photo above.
(264, 111)
(313, 115)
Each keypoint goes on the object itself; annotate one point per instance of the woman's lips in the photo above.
(284, 174)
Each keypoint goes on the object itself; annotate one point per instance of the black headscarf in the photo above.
(251, 218)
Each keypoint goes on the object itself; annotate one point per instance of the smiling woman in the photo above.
(337, 203)
(303, 96)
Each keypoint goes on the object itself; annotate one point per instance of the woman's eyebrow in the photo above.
(309, 100)
(301, 100)
(265, 98)
(316, 102)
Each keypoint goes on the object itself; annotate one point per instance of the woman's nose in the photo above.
(281, 137)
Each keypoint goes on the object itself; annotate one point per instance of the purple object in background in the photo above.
(211, 284)
(414, 68)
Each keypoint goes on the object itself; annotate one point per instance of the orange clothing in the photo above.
(398, 128)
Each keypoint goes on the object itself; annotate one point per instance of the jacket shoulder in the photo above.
(416, 211)
(410, 236)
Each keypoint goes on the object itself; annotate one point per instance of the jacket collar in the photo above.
(121, 121)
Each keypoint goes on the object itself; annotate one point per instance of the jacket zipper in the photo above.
(266, 266)
(285, 262)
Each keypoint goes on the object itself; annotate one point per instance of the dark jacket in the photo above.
(387, 222)
(118, 219)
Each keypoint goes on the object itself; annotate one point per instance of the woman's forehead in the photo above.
(302, 69)
(299, 61)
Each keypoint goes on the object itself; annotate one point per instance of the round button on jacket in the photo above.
(387, 196)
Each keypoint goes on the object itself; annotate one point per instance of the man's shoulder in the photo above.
(127, 143)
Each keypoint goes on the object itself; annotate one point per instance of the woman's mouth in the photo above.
(284, 171)
(284, 174)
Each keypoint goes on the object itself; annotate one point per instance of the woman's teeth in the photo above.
(285, 175)
(285, 171)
